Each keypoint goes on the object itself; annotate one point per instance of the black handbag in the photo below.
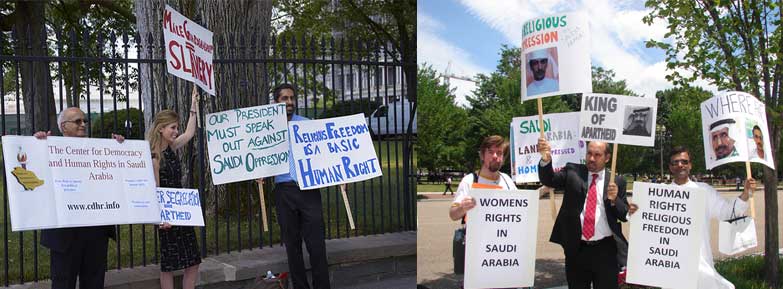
(458, 251)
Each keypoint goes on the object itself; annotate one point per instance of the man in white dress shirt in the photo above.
(717, 207)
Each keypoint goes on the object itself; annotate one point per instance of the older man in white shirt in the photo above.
(717, 207)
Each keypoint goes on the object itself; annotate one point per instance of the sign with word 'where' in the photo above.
(499, 249)
(248, 143)
(665, 236)
(333, 151)
(561, 130)
(180, 207)
(65, 182)
(618, 119)
(189, 50)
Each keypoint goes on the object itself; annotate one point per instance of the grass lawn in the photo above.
(378, 206)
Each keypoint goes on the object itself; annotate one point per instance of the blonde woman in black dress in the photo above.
(178, 246)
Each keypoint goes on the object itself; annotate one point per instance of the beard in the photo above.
(494, 167)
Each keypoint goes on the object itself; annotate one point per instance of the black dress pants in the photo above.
(85, 259)
(300, 216)
(594, 263)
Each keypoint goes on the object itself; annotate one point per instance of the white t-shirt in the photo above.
(503, 181)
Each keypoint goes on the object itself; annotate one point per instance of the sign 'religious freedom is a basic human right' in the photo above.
(561, 130)
(665, 236)
(556, 56)
(248, 143)
(74, 182)
(499, 252)
(189, 50)
(734, 125)
(333, 151)
(618, 119)
(180, 207)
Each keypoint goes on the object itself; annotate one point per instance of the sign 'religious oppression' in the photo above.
(556, 56)
(180, 207)
(618, 119)
(499, 252)
(665, 235)
(734, 125)
(248, 143)
(74, 182)
(561, 130)
(189, 50)
(333, 151)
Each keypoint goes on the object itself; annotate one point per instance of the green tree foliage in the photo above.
(735, 45)
(680, 116)
(441, 123)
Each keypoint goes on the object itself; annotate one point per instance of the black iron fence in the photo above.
(104, 75)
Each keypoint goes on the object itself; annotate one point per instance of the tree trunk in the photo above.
(233, 23)
(771, 222)
(37, 91)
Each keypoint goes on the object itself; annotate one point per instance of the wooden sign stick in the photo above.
(263, 205)
(347, 206)
(750, 201)
(614, 162)
(541, 131)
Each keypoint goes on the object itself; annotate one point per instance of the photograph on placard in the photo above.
(755, 137)
(542, 75)
(637, 121)
(723, 135)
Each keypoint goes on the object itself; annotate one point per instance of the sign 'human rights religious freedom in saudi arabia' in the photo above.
(665, 237)
(556, 56)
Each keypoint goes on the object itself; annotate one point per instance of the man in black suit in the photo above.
(587, 226)
(77, 252)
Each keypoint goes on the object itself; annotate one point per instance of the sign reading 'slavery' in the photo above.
(333, 151)
(189, 50)
(248, 143)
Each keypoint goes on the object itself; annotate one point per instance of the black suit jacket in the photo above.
(61, 240)
(573, 179)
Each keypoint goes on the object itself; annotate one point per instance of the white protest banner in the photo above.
(618, 119)
(74, 182)
(734, 126)
(180, 207)
(248, 143)
(556, 56)
(665, 236)
(189, 50)
(499, 249)
(333, 151)
(561, 130)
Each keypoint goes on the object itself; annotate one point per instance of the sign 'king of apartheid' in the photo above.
(556, 56)
(561, 130)
(189, 50)
(618, 119)
(665, 236)
(333, 151)
(500, 247)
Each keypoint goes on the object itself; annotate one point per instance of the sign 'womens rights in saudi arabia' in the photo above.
(665, 237)
(65, 182)
(333, 151)
(561, 130)
(248, 143)
(499, 249)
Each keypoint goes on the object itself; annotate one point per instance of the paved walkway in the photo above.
(436, 230)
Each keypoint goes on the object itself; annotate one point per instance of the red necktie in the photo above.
(588, 227)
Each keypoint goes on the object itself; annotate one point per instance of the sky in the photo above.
(465, 37)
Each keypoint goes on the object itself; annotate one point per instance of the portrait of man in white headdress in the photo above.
(541, 64)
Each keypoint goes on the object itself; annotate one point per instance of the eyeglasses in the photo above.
(683, 162)
(79, 121)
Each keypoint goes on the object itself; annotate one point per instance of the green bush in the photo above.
(745, 272)
(350, 107)
(104, 126)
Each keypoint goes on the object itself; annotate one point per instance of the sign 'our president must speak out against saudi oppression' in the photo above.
(189, 50)
(556, 56)
(247, 143)
(333, 151)
(665, 235)
(73, 182)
